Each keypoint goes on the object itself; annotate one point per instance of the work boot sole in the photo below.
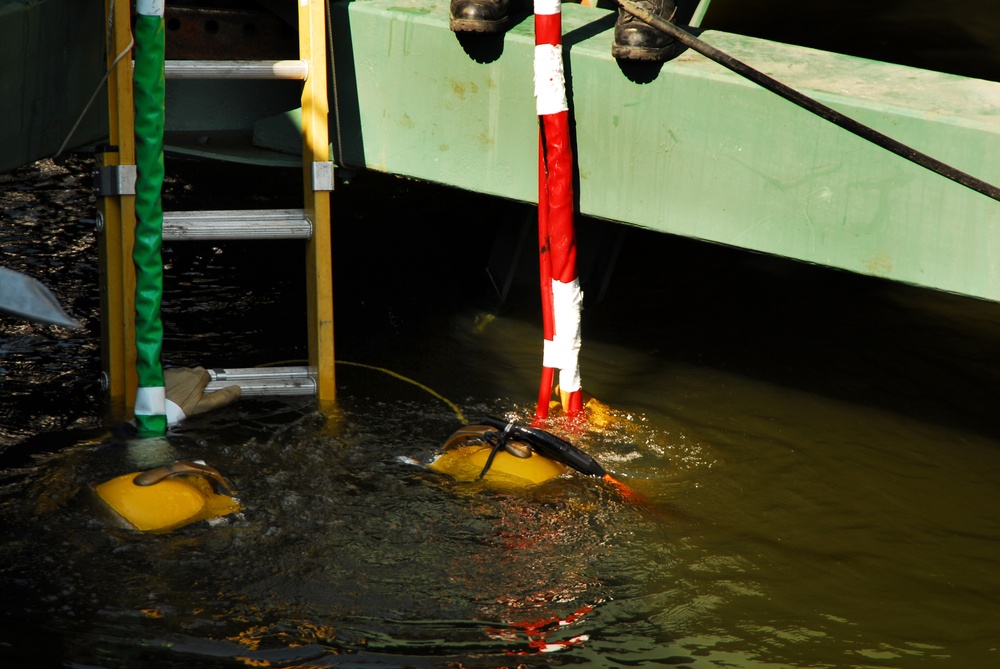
(627, 52)
(479, 26)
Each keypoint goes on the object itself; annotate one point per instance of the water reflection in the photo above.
(343, 547)
(784, 529)
(43, 234)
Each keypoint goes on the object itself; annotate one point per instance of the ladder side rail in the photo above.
(116, 214)
(318, 178)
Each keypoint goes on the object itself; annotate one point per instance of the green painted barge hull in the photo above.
(688, 148)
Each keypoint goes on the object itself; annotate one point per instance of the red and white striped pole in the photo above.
(561, 294)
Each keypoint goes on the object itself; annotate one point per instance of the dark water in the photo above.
(41, 234)
(819, 452)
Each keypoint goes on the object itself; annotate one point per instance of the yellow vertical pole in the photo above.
(118, 233)
(316, 159)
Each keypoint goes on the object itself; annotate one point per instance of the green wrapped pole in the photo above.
(150, 402)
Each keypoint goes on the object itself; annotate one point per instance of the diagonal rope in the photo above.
(100, 85)
(811, 105)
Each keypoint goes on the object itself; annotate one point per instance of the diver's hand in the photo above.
(185, 389)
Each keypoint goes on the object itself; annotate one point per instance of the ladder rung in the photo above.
(237, 224)
(236, 69)
(258, 381)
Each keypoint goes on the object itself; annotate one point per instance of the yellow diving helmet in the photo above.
(168, 497)
(506, 455)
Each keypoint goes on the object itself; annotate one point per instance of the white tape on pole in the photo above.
(546, 7)
(550, 80)
(151, 402)
(149, 7)
(563, 352)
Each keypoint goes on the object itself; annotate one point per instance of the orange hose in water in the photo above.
(630, 495)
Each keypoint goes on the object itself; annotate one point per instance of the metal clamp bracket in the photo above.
(322, 176)
(112, 180)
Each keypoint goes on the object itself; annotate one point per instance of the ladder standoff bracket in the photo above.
(110, 180)
(322, 176)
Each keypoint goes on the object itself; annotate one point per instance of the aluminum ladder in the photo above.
(115, 188)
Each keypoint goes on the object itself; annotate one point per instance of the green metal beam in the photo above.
(687, 148)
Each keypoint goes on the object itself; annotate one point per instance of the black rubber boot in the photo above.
(480, 16)
(636, 40)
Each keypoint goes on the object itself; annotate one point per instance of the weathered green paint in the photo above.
(689, 148)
